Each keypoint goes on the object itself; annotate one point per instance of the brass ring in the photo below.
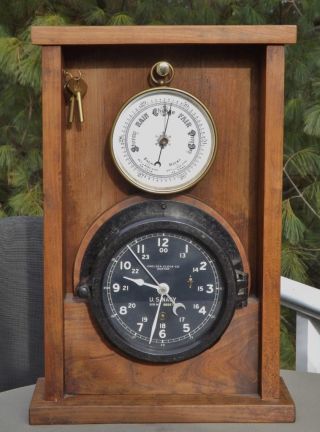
(161, 80)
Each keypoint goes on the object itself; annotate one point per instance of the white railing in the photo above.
(305, 300)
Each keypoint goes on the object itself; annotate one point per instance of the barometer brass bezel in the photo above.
(201, 174)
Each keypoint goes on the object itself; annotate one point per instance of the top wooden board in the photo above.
(125, 35)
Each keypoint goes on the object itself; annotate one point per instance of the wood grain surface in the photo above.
(93, 366)
(270, 226)
(132, 35)
(199, 408)
(53, 143)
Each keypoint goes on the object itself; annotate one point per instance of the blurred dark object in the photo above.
(21, 301)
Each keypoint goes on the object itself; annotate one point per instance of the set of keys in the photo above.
(75, 88)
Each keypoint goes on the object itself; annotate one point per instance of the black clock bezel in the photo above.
(174, 217)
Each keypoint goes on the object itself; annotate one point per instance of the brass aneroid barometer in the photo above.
(163, 139)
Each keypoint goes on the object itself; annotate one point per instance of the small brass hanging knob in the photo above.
(161, 73)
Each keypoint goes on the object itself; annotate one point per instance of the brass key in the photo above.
(78, 87)
(70, 98)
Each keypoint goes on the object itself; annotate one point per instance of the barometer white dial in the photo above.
(163, 140)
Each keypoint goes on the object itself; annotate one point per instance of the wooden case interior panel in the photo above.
(227, 82)
(93, 366)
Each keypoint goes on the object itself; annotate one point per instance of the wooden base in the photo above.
(160, 409)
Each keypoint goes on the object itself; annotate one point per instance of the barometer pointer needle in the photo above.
(169, 114)
(163, 136)
(158, 161)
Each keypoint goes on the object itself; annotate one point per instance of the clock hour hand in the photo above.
(141, 282)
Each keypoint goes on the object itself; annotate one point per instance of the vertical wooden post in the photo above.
(53, 222)
(270, 232)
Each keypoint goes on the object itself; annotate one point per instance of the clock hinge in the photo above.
(242, 289)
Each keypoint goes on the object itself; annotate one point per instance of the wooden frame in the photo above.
(264, 34)
(273, 403)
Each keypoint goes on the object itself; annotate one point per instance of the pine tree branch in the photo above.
(295, 6)
(29, 119)
(309, 249)
(300, 194)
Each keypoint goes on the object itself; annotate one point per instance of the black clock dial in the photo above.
(162, 290)
(163, 280)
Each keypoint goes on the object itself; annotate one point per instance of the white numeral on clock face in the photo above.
(140, 248)
(203, 265)
(186, 328)
(202, 310)
(123, 310)
(163, 242)
(116, 287)
(125, 265)
(184, 254)
(162, 333)
(209, 289)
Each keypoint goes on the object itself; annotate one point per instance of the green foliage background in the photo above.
(20, 106)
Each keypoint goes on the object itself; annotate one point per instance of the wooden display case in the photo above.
(238, 72)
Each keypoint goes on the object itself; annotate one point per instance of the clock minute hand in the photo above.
(141, 282)
(143, 266)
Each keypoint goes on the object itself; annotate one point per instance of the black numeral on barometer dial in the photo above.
(162, 288)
